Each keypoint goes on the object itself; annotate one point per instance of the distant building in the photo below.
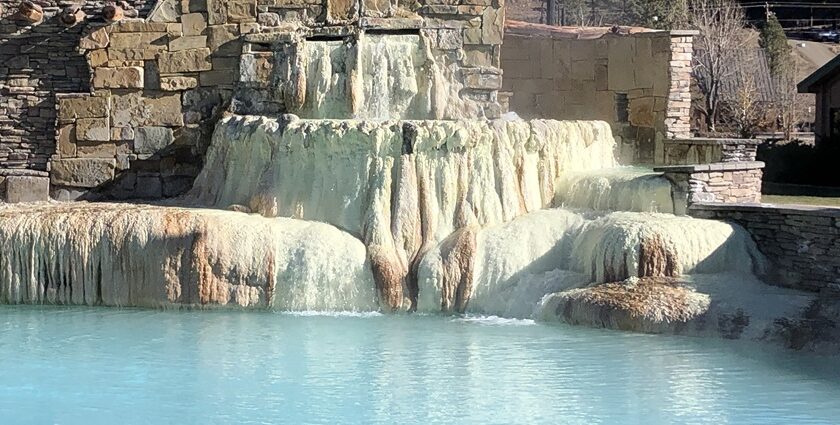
(825, 84)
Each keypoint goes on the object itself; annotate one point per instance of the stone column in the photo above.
(678, 109)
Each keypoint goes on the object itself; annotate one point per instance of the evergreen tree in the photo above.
(662, 14)
(775, 44)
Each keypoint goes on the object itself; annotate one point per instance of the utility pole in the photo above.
(766, 11)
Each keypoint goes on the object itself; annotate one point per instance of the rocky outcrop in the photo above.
(650, 304)
(722, 305)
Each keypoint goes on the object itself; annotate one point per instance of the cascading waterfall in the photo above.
(399, 186)
(378, 77)
(140, 255)
(619, 189)
(372, 202)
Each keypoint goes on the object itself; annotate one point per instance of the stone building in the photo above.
(125, 109)
(825, 84)
(636, 79)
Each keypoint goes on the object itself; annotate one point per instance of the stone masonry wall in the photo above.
(636, 80)
(726, 182)
(801, 242)
(706, 151)
(136, 108)
(38, 61)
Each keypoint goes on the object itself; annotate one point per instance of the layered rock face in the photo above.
(400, 186)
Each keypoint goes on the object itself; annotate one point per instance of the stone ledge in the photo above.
(9, 172)
(713, 141)
(683, 33)
(716, 166)
(768, 208)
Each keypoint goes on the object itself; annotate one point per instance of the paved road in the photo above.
(816, 53)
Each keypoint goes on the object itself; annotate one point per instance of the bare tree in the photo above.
(788, 104)
(721, 26)
(742, 106)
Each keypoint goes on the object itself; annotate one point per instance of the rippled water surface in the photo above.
(104, 366)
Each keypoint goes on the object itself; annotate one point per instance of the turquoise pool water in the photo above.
(107, 366)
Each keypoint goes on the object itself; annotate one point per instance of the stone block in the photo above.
(82, 172)
(216, 12)
(137, 25)
(484, 81)
(122, 134)
(97, 58)
(376, 8)
(193, 24)
(129, 77)
(222, 39)
(150, 140)
(93, 129)
(178, 83)
(341, 10)
(66, 142)
(256, 69)
(82, 107)
(165, 11)
(621, 52)
(187, 42)
(492, 25)
(174, 29)
(192, 60)
(241, 10)
(96, 150)
(478, 55)
(135, 110)
(27, 189)
(139, 40)
(96, 39)
(583, 70)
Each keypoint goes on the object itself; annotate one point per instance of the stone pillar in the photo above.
(678, 108)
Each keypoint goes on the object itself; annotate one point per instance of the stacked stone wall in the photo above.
(38, 61)
(707, 151)
(726, 182)
(801, 242)
(126, 109)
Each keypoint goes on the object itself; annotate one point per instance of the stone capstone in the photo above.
(82, 172)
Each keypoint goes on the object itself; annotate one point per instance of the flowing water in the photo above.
(105, 366)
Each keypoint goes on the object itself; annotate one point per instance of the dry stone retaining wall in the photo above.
(38, 61)
(801, 242)
(126, 109)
